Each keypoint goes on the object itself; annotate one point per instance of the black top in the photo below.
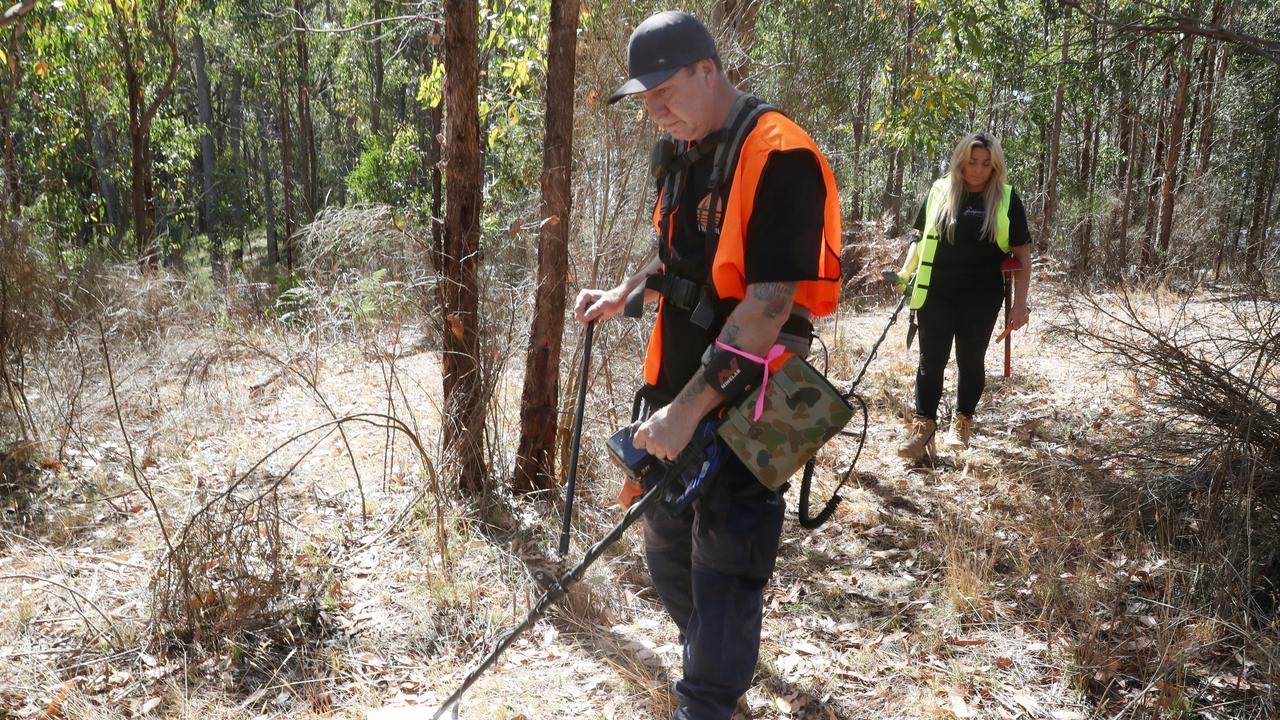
(971, 261)
(782, 244)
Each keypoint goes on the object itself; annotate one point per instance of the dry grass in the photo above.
(1010, 580)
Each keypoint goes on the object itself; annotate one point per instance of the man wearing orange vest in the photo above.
(730, 283)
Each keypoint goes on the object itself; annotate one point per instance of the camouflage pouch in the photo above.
(802, 411)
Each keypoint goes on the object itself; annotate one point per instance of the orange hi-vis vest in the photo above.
(773, 132)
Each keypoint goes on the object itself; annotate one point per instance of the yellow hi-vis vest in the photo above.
(929, 241)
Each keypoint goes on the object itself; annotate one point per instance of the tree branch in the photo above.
(1169, 24)
(15, 13)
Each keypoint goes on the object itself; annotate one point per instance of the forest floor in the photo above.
(996, 582)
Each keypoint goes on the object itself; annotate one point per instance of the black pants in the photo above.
(710, 568)
(967, 318)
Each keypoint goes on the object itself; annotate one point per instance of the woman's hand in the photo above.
(1019, 314)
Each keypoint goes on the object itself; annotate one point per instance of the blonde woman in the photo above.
(971, 221)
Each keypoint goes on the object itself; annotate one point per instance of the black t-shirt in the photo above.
(971, 261)
(782, 244)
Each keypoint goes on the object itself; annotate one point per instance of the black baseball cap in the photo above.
(660, 46)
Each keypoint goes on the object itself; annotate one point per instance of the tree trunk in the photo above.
(859, 135)
(735, 20)
(141, 113)
(1172, 147)
(891, 200)
(209, 205)
(375, 100)
(240, 152)
(1209, 124)
(306, 128)
(1258, 221)
(463, 389)
(13, 186)
(1157, 170)
(1055, 137)
(268, 194)
(286, 167)
(1128, 139)
(535, 458)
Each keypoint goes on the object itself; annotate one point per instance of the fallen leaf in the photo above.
(957, 706)
(1023, 698)
(149, 705)
(1004, 663)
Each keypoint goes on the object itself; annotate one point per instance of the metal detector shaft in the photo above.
(557, 591)
(890, 277)
(577, 439)
(690, 457)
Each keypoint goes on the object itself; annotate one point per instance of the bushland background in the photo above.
(287, 372)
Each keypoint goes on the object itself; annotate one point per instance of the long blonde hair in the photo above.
(992, 196)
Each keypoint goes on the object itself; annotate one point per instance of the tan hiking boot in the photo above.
(920, 440)
(960, 433)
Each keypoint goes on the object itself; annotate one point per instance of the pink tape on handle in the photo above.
(774, 352)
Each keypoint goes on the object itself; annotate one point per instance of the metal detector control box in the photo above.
(636, 463)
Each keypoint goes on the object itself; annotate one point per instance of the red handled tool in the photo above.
(1009, 266)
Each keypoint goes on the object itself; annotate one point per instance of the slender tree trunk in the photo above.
(286, 167)
(1055, 138)
(375, 100)
(268, 193)
(1209, 124)
(1128, 137)
(1258, 222)
(859, 134)
(891, 200)
(240, 152)
(13, 185)
(210, 203)
(535, 458)
(1156, 177)
(306, 128)
(463, 389)
(141, 113)
(1172, 147)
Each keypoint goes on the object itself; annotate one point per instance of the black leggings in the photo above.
(968, 318)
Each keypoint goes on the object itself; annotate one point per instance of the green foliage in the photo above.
(372, 298)
(387, 174)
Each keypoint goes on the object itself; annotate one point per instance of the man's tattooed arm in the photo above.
(752, 327)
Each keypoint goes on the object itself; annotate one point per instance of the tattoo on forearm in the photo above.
(729, 333)
(691, 390)
(776, 297)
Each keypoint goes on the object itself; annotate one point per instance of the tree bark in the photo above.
(1157, 170)
(13, 186)
(240, 153)
(891, 199)
(1172, 148)
(286, 168)
(463, 388)
(209, 204)
(859, 135)
(375, 100)
(268, 193)
(1128, 140)
(141, 113)
(535, 457)
(306, 128)
(1261, 211)
(1055, 137)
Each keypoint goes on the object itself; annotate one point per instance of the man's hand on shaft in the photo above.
(665, 433)
(594, 304)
